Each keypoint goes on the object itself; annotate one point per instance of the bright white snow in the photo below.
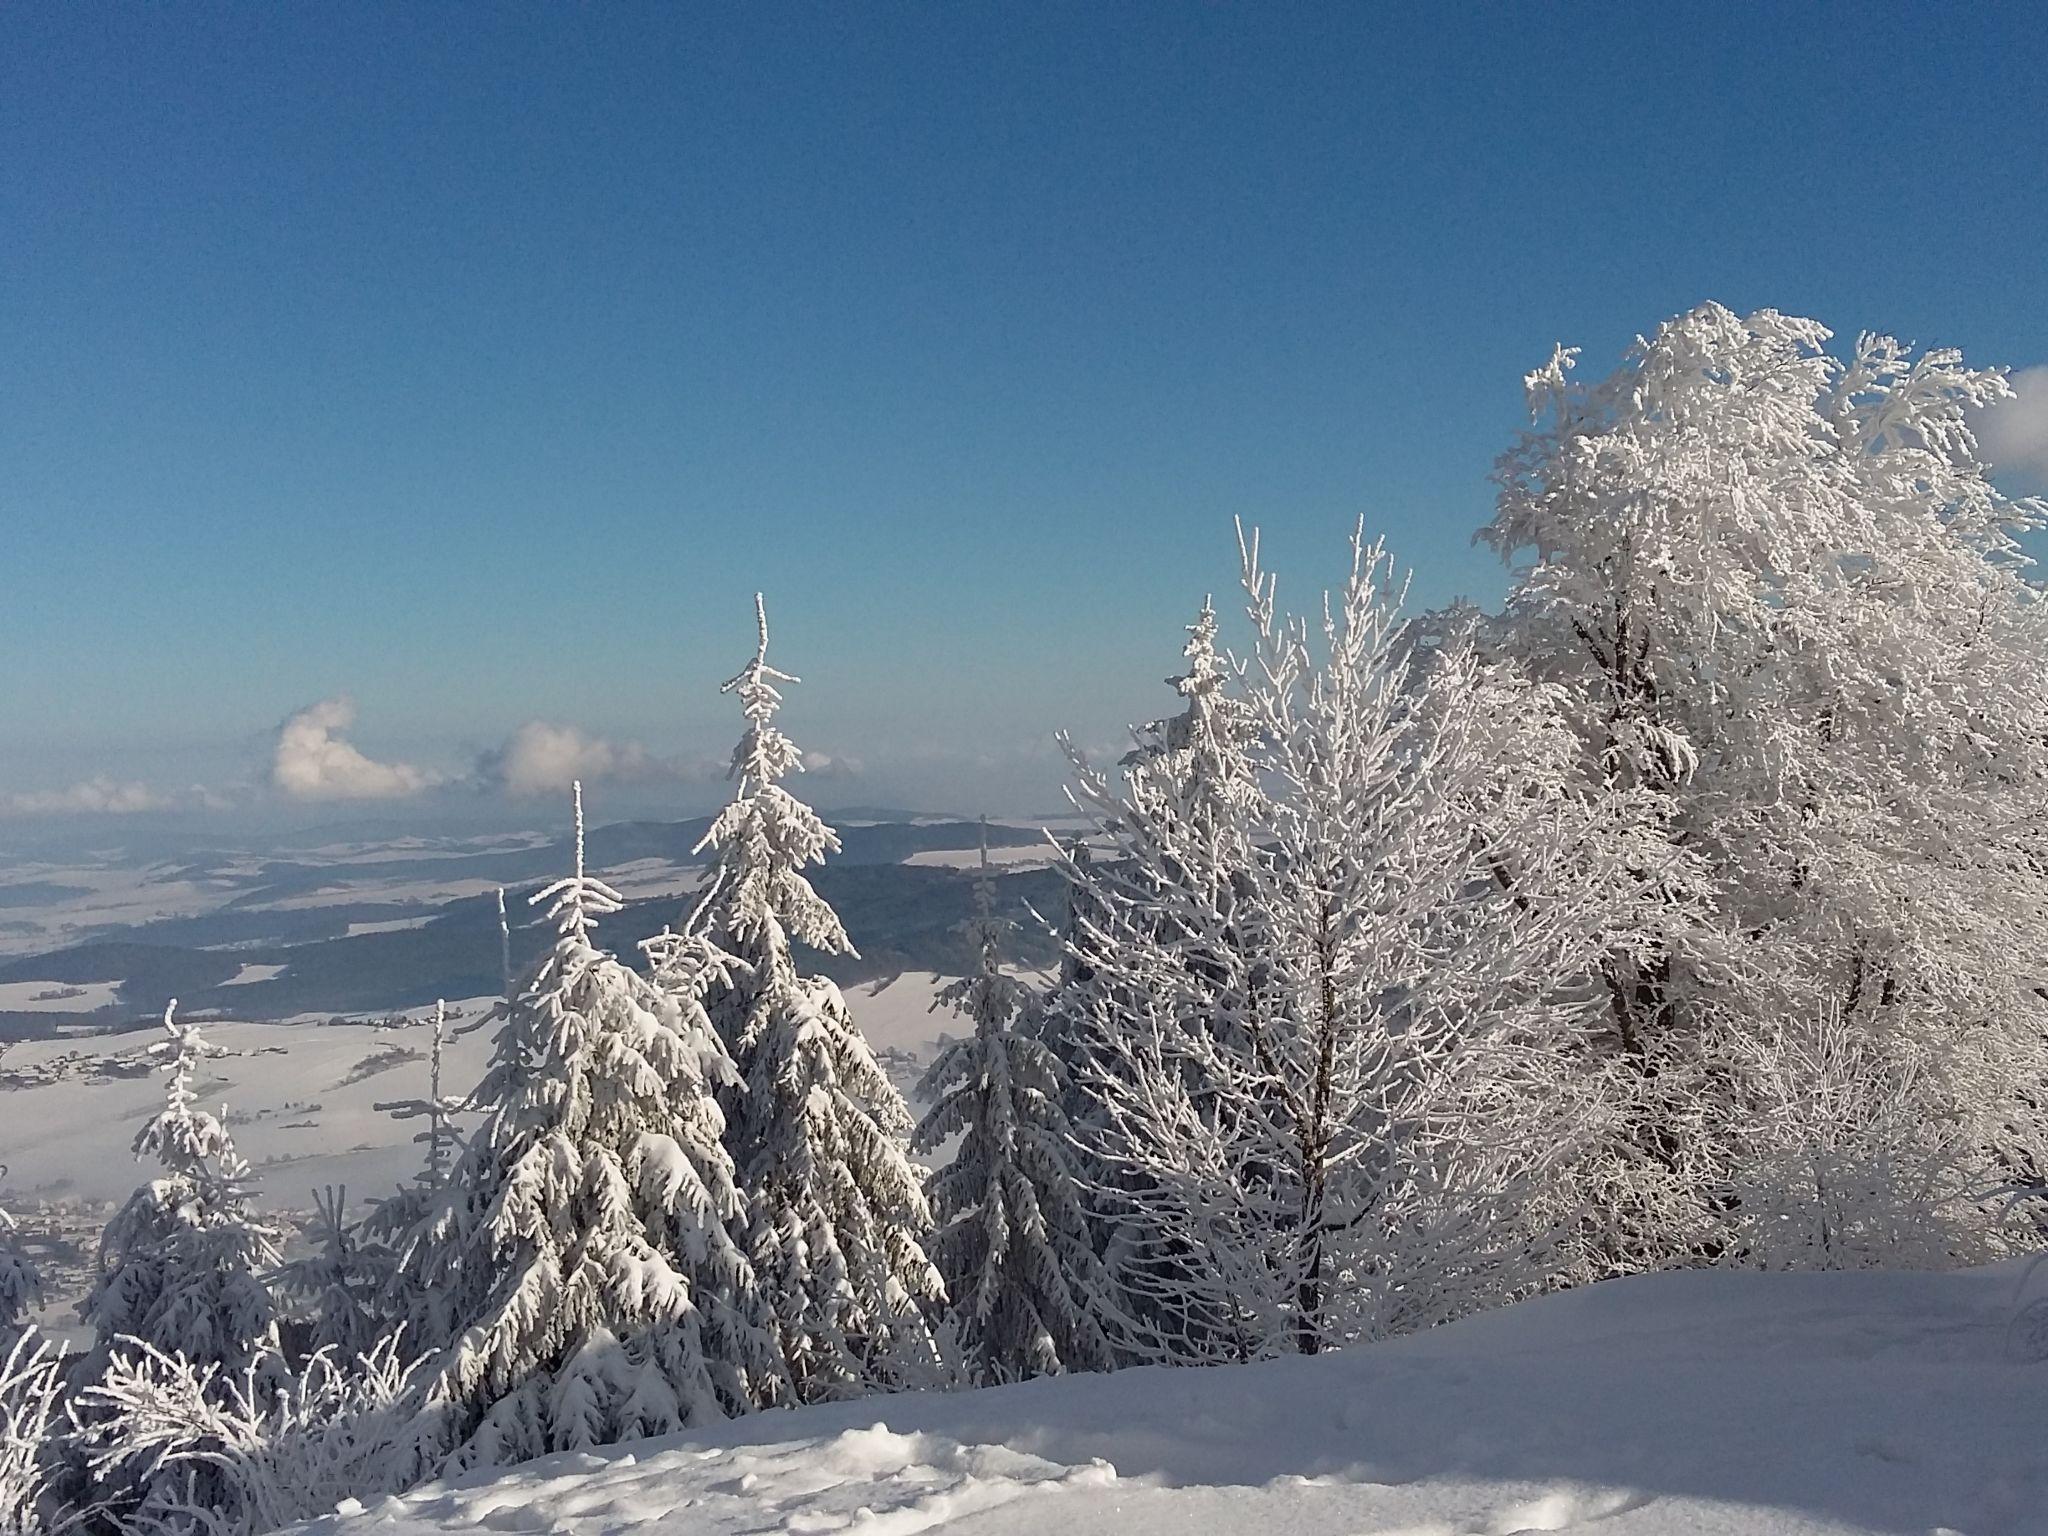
(1691, 1404)
(250, 974)
(1019, 855)
(301, 1099)
(56, 996)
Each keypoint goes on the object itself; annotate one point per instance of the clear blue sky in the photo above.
(479, 362)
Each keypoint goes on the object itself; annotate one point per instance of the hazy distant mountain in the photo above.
(271, 932)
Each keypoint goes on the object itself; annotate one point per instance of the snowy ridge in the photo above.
(1669, 1405)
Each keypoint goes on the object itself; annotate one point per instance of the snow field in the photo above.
(34, 996)
(1697, 1404)
(68, 1138)
(290, 1106)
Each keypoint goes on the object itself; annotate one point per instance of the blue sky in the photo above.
(479, 363)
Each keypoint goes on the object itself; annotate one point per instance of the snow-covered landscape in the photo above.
(963, 770)
(1492, 1074)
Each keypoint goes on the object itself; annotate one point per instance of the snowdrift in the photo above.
(1680, 1403)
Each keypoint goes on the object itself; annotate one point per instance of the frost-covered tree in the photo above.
(1190, 782)
(31, 1392)
(438, 1109)
(1024, 1282)
(838, 1219)
(181, 1265)
(504, 947)
(21, 1288)
(240, 1455)
(1782, 602)
(616, 1302)
(1348, 991)
(182, 1269)
(1840, 1166)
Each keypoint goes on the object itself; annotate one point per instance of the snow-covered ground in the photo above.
(301, 1102)
(1019, 856)
(249, 975)
(301, 1096)
(1671, 1405)
(55, 996)
(395, 925)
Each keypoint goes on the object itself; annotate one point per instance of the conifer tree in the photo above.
(181, 1264)
(817, 1131)
(342, 1284)
(182, 1269)
(413, 1241)
(608, 1297)
(1012, 1243)
(21, 1288)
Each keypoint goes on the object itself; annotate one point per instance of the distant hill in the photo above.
(297, 912)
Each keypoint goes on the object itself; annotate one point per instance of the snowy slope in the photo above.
(1687, 1403)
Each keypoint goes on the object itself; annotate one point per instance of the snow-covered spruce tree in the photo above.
(1332, 1120)
(616, 1301)
(837, 1212)
(1779, 595)
(181, 1269)
(1013, 1244)
(181, 1265)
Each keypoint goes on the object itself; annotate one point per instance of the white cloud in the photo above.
(94, 797)
(543, 758)
(829, 766)
(2014, 433)
(314, 762)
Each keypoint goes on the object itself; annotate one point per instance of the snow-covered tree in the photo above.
(438, 1109)
(615, 1300)
(1190, 781)
(21, 1288)
(1347, 990)
(1781, 601)
(1013, 1245)
(182, 1269)
(837, 1215)
(1840, 1166)
(181, 1265)
(504, 947)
